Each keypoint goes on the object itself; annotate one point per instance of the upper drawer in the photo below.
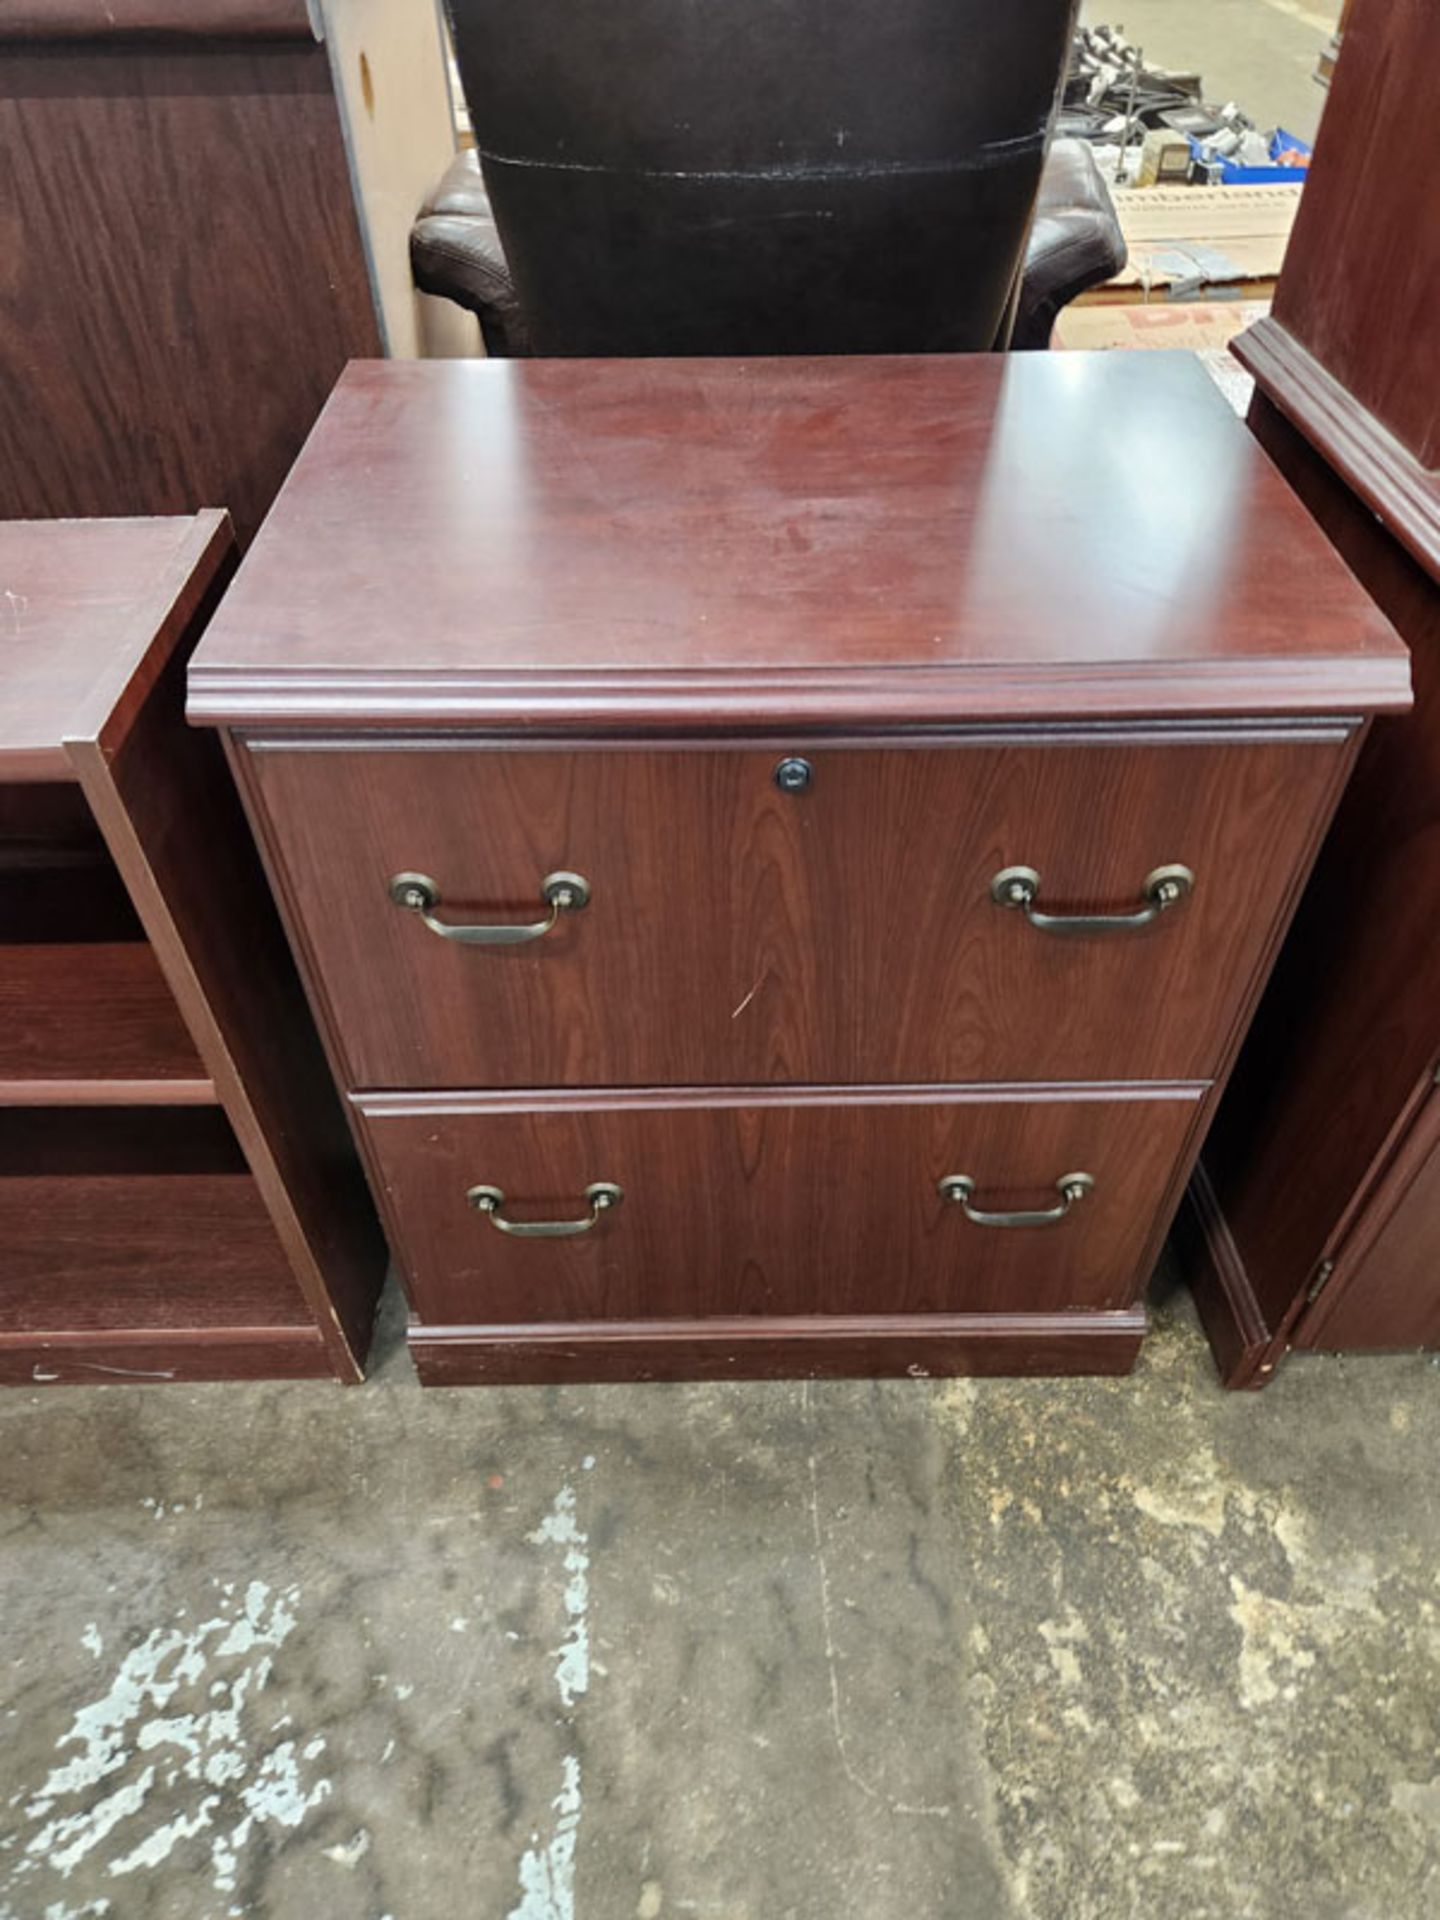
(737, 933)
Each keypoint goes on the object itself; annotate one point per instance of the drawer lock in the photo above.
(417, 893)
(1019, 887)
(960, 1188)
(600, 1195)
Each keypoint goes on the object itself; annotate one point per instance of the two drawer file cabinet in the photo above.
(783, 852)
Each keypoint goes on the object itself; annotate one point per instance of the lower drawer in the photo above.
(758, 1202)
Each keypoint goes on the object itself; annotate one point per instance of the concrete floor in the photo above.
(1259, 53)
(1008, 1651)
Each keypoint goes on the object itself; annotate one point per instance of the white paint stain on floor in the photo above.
(168, 1752)
(547, 1868)
(547, 1874)
(62, 1910)
(572, 1657)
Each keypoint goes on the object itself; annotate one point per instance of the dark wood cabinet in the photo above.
(206, 214)
(783, 852)
(178, 1195)
(1316, 1218)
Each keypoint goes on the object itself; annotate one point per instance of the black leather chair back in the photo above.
(762, 176)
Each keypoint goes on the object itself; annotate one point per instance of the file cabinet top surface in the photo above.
(680, 544)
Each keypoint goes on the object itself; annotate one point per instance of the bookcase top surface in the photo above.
(81, 605)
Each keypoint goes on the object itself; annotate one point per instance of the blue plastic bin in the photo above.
(1231, 174)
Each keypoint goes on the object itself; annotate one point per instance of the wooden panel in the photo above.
(740, 934)
(1389, 1296)
(797, 1204)
(172, 821)
(1361, 284)
(84, 1013)
(184, 276)
(785, 542)
(779, 1349)
(1348, 1025)
(120, 1220)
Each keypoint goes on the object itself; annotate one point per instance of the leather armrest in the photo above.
(461, 189)
(458, 256)
(1075, 241)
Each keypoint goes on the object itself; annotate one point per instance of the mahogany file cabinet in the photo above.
(179, 1195)
(783, 852)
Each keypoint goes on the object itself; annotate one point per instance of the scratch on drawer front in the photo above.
(735, 1015)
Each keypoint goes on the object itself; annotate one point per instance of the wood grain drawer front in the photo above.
(759, 1203)
(738, 934)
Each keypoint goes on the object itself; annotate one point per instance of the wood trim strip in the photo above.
(916, 1346)
(646, 701)
(108, 1093)
(111, 20)
(1381, 469)
(219, 1336)
(1175, 732)
(377, 1105)
(1229, 1311)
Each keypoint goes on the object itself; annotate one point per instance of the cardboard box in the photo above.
(1196, 326)
(1199, 243)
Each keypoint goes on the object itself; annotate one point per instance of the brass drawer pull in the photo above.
(601, 1195)
(1072, 1188)
(418, 893)
(1019, 887)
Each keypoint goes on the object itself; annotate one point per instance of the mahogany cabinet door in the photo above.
(751, 1203)
(740, 934)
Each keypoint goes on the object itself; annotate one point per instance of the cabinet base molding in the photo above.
(802, 1348)
(108, 1359)
(1229, 1311)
